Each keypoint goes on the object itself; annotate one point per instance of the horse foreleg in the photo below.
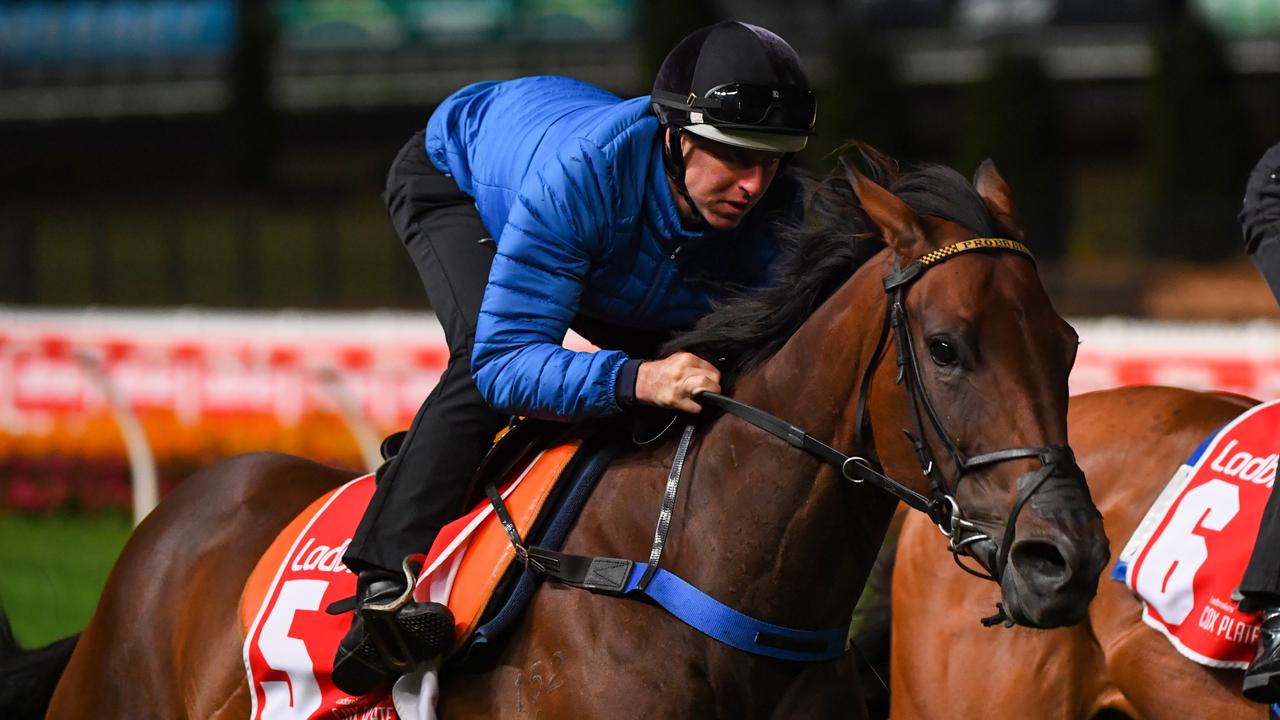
(824, 690)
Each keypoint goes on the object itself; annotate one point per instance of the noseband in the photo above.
(942, 507)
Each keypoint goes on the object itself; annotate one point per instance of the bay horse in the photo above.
(760, 526)
(1130, 442)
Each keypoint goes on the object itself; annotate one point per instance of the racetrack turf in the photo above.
(52, 569)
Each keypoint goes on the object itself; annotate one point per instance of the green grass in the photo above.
(52, 570)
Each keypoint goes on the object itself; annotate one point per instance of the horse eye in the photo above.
(943, 353)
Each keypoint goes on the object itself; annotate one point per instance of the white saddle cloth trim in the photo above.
(415, 694)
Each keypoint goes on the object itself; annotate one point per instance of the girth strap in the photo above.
(616, 576)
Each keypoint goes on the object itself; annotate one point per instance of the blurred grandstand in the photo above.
(230, 152)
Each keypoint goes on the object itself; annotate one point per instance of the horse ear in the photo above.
(899, 224)
(995, 193)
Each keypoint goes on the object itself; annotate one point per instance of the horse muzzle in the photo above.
(1056, 556)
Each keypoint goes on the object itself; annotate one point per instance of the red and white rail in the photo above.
(382, 364)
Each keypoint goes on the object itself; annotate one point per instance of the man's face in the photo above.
(724, 181)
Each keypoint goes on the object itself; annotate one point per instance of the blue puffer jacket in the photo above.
(569, 179)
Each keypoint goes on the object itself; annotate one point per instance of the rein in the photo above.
(942, 508)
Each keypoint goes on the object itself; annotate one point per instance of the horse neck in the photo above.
(772, 530)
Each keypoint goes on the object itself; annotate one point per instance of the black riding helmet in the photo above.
(737, 84)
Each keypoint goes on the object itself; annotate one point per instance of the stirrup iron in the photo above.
(382, 629)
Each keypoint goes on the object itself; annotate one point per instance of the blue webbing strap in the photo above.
(721, 622)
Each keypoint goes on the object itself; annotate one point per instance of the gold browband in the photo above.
(943, 253)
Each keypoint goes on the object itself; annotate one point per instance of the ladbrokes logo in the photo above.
(321, 557)
(1259, 470)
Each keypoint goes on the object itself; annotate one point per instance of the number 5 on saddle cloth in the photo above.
(289, 637)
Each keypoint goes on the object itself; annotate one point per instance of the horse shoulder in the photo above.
(572, 648)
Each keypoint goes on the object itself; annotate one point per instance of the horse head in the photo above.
(975, 408)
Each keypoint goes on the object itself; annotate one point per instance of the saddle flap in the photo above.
(471, 556)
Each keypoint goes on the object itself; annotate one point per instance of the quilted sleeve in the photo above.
(559, 222)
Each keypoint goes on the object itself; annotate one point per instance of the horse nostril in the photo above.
(1039, 558)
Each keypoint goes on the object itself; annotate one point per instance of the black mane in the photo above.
(818, 256)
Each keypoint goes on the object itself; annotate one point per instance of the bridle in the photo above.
(942, 508)
(620, 576)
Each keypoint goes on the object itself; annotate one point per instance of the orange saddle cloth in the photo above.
(290, 640)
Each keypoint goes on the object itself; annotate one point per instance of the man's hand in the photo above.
(673, 381)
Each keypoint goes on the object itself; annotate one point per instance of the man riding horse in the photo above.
(541, 204)
(1260, 588)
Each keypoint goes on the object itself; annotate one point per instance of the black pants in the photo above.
(423, 487)
(1262, 577)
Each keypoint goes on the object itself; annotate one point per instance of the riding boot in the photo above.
(387, 636)
(1262, 678)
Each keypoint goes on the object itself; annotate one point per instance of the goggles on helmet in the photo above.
(765, 108)
(761, 106)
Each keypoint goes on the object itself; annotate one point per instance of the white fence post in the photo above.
(142, 464)
(366, 436)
